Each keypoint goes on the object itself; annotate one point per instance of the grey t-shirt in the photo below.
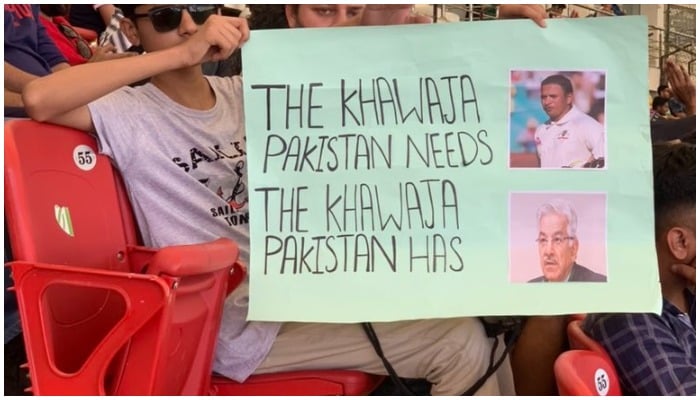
(185, 171)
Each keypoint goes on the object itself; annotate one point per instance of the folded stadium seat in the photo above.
(585, 373)
(579, 340)
(102, 315)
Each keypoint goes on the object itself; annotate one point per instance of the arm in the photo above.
(647, 354)
(106, 11)
(13, 99)
(595, 136)
(46, 47)
(16, 79)
(532, 359)
(215, 40)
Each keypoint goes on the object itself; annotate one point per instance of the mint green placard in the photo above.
(391, 175)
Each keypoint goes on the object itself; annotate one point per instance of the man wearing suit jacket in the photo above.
(558, 245)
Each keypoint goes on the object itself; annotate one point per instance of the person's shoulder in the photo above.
(583, 118)
(541, 127)
(601, 325)
(123, 101)
(582, 274)
(538, 279)
(225, 81)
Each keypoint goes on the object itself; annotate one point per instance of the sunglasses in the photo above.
(167, 18)
(81, 44)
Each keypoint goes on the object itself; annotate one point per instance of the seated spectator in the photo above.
(29, 54)
(659, 109)
(70, 43)
(655, 354)
(675, 106)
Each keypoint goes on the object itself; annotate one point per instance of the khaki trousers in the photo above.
(452, 354)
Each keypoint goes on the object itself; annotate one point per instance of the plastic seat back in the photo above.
(93, 323)
(585, 373)
(51, 173)
(579, 340)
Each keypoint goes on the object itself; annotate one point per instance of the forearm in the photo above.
(41, 99)
(13, 99)
(16, 79)
(106, 11)
(542, 339)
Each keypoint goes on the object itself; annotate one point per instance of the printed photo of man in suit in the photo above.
(558, 245)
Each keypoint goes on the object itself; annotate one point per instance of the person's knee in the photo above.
(468, 337)
(465, 353)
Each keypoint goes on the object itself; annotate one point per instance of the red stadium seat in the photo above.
(579, 340)
(99, 314)
(88, 34)
(103, 316)
(585, 373)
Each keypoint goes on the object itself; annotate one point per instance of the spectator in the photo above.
(186, 109)
(676, 107)
(659, 109)
(206, 112)
(74, 48)
(654, 355)
(556, 10)
(29, 53)
(323, 15)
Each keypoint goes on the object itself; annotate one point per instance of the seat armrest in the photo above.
(236, 277)
(195, 259)
(144, 298)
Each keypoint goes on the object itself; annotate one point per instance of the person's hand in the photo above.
(682, 85)
(107, 52)
(391, 14)
(535, 12)
(686, 272)
(216, 40)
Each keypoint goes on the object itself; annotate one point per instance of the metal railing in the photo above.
(676, 39)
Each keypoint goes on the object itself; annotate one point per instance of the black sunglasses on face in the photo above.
(167, 18)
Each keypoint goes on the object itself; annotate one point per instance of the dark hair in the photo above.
(674, 184)
(267, 16)
(560, 80)
(660, 89)
(54, 10)
(658, 102)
